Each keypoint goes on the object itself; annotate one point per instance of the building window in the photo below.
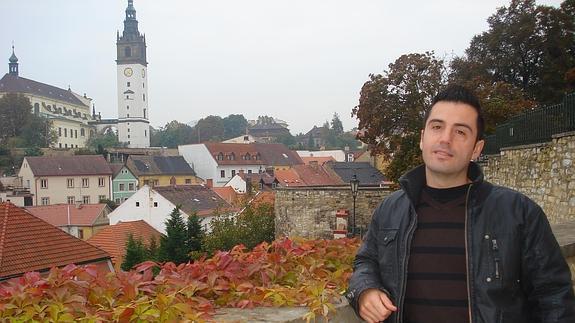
(101, 198)
(71, 199)
(144, 97)
(249, 171)
(220, 156)
(118, 200)
(137, 204)
(85, 182)
(188, 181)
(128, 84)
(131, 186)
(122, 187)
(145, 133)
(128, 129)
(222, 173)
(43, 183)
(274, 185)
(60, 133)
(60, 145)
(233, 172)
(155, 204)
(86, 199)
(45, 201)
(75, 133)
(128, 136)
(127, 107)
(144, 113)
(127, 115)
(70, 182)
(156, 182)
(146, 182)
(65, 145)
(82, 132)
(36, 109)
(81, 233)
(65, 132)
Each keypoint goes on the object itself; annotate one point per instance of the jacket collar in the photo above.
(413, 181)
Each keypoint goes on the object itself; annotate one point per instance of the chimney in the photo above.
(270, 171)
(241, 172)
(78, 204)
(210, 183)
(314, 164)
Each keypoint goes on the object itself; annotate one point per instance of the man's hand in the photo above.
(375, 306)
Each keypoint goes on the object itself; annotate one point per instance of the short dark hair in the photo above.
(458, 93)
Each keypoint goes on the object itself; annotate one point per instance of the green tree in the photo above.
(392, 106)
(210, 128)
(19, 127)
(195, 233)
(171, 135)
(135, 253)
(336, 124)
(234, 125)
(529, 46)
(174, 246)
(99, 142)
(253, 226)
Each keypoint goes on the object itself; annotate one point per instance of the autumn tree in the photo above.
(392, 107)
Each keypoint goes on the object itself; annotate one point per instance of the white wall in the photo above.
(220, 182)
(200, 160)
(338, 155)
(237, 183)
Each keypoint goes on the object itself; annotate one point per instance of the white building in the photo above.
(220, 162)
(154, 205)
(338, 155)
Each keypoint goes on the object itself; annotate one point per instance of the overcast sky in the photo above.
(299, 61)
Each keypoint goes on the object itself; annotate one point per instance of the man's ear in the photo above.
(477, 149)
(421, 139)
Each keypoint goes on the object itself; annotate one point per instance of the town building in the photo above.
(220, 162)
(84, 179)
(69, 112)
(31, 244)
(154, 205)
(162, 170)
(113, 238)
(124, 183)
(11, 190)
(80, 220)
(363, 171)
(338, 155)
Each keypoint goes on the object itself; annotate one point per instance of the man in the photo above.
(451, 247)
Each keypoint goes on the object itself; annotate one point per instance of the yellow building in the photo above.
(162, 171)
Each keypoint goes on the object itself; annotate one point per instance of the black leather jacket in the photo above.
(515, 269)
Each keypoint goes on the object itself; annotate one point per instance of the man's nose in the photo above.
(446, 136)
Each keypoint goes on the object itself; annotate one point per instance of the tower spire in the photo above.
(13, 63)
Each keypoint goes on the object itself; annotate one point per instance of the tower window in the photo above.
(127, 107)
(145, 133)
(143, 85)
(128, 84)
(144, 97)
(128, 51)
(127, 115)
(144, 113)
(128, 129)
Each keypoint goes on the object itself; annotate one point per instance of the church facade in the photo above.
(70, 112)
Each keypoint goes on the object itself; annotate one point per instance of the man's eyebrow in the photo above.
(455, 124)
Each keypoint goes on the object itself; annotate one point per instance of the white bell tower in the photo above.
(133, 112)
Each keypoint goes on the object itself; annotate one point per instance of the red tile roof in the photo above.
(307, 175)
(57, 214)
(227, 193)
(69, 165)
(29, 244)
(113, 238)
(288, 177)
(268, 154)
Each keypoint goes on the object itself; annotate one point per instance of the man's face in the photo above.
(448, 141)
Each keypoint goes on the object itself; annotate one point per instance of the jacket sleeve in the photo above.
(366, 267)
(546, 275)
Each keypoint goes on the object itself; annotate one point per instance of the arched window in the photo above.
(36, 108)
(128, 51)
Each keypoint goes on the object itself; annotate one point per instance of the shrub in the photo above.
(283, 273)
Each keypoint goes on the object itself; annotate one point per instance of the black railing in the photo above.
(533, 126)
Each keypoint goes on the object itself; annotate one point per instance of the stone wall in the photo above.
(544, 172)
(310, 212)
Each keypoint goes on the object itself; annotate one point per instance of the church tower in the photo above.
(133, 112)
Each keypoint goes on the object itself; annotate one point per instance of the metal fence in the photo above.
(533, 126)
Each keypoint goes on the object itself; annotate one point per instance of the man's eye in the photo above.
(435, 127)
(461, 132)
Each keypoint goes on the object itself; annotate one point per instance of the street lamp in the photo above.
(354, 185)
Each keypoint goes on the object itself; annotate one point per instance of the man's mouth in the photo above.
(443, 153)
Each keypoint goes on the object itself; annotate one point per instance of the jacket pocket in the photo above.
(387, 250)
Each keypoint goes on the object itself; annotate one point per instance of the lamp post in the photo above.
(354, 185)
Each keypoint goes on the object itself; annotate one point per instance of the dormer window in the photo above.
(220, 156)
(232, 156)
(258, 157)
(247, 156)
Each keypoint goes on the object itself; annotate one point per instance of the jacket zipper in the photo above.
(408, 239)
(467, 254)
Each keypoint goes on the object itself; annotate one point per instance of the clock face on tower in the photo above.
(128, 71)
(143, 72)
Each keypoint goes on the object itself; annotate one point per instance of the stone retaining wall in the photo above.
(544, 172)
(310, 212)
